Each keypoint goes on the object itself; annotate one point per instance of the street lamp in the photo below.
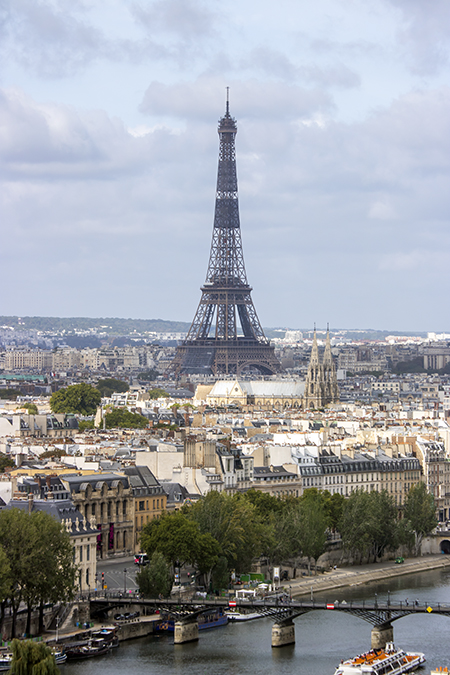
(125, 580)
(389, 598)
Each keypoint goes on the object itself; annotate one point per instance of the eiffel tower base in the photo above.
(220, 358)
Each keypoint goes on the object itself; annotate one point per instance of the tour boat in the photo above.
(87, 650)
(5, 661)
(242, 614)
(387, 661)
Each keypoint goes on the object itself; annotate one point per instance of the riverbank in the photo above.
(363, 574)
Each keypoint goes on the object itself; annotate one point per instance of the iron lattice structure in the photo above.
(225, 336)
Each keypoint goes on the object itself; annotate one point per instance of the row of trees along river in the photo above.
(36, 564)
(222, 533)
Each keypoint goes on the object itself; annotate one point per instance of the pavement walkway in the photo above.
(363, 574)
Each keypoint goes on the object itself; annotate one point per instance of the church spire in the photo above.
(314, 360)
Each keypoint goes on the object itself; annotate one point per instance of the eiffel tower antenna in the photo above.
(225, 336)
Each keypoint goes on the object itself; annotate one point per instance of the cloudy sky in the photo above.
(108, 144)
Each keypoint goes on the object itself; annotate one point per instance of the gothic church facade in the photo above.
(321, 387)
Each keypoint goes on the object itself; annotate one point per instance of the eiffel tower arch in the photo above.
(225, 336)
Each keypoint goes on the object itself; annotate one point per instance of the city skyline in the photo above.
(109, 158)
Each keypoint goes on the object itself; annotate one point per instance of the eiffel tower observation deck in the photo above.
(225, 337)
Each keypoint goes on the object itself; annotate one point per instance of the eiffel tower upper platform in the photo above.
(225, 336)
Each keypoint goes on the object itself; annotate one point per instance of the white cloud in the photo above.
(381, 210)
(108, 151)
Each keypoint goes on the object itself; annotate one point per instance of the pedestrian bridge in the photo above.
(283, 610)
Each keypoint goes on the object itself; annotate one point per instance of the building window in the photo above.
(142, 506)
(88, 552)
(81, 553)
(124, 509)
(87, 577)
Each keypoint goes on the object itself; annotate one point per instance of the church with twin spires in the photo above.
(321, 387)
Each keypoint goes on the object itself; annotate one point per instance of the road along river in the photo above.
(322, 639)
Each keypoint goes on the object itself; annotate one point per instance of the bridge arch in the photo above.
(445, 546)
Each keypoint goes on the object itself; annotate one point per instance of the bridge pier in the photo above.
(185, 631)
(283, 633)
(380, 635)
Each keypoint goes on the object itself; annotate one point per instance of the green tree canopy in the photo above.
(124, 419)
(5, 462)
(173, 535)
(369, 523)
(40, 559)
(420, 513)
(32, 658)
(31, 408)
(158, 393)
(110, 386)
(236, 525)
(155, 578)
(78, 398)
(180, 541)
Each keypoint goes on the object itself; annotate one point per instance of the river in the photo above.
(322, 639)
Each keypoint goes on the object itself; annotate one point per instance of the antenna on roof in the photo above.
(228, 101)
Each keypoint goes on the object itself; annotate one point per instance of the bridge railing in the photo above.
(387, 604)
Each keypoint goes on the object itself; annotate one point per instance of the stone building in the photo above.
(83, 534)
(52, 425)
(149, 499)
(358, 470)
(321, 387)
(268, 394)
(107, 498)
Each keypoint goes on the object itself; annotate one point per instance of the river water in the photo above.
(322, 639)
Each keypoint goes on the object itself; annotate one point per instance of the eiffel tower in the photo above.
(215, 345)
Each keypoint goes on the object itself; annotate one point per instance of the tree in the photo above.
(52, 552)
(11, 394)
(5, 462)
(173, 535)
(5, 584)
(40, 558)
(110, 386)
(157, 393)
(313, 524)
(235, 523)
(334, 505)
(207, 556)
(79, 398)
(180, 541)
(32, 658)
(420, 513)
(155, 579)
(124, 419)
(31, 408)
(354, 524)
(369, 523)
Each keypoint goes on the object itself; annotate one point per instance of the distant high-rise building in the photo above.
(225, 336)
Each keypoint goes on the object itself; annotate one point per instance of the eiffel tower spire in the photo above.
(225, 336)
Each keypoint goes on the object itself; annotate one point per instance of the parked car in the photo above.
(141, 559)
